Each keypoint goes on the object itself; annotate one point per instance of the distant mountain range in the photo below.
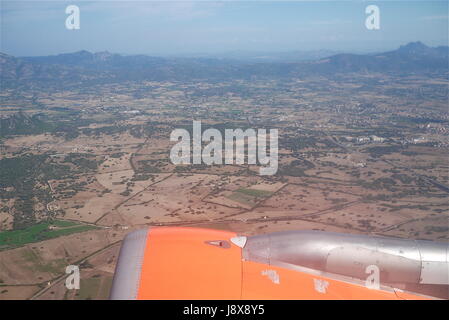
(261, 56)
(85, 68)
(410, 58)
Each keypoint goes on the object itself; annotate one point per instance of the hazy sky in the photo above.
(178, 27)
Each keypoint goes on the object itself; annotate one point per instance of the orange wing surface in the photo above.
(194, 263)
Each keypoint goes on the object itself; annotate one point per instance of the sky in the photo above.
(33, 28)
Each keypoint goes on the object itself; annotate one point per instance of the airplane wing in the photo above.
(194, 263)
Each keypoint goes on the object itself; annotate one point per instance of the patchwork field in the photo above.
(79, 169)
